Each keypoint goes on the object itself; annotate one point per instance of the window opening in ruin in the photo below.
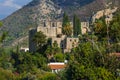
(75, 40)
(53, 25)
(47, 30)
(44, 24)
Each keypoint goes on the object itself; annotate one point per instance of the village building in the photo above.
(56, 67)
(115, 54)
(23, 49)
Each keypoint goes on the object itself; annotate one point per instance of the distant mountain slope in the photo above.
(19, 23)
(37, 11)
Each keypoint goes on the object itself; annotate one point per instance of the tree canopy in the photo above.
(66, 27)
(40, 39)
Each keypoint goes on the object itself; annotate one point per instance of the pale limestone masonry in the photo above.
(106, 12)
(60, 41)
(53, 30)
(85, 27)
(66, 43)
(71, 43)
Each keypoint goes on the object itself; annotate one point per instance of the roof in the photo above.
(56, 65)
(115, 54)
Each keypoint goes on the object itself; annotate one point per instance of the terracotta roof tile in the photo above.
(115, 54)
(53, 66)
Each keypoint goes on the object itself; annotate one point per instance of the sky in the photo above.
(7, 7)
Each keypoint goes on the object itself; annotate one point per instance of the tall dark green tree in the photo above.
(65, 20)
(76, 26)
(66, 27)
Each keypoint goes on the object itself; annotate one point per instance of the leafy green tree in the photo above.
(28, 62)
(59, 57)
(3, 37)
(49, 52)
(40, 39)
(91, 62)
(48, 76)
(53, 50)
(6, 75)
(100, 29)
(114, 28)
(104, 74)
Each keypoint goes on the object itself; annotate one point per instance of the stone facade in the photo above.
(66, 43)
(85, 27)
(60, 41)
(106, 12)
(71, 43)
(53, 30)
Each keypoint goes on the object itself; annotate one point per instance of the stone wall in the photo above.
(107, 12)
(52, 30)
(60, 41)
(71, 43)
(66, 43)
(85, 27)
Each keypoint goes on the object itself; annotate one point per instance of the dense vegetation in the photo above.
(91, 60)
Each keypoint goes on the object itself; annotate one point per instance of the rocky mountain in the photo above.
(38, 11)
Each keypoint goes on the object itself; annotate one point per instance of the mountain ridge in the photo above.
(37, 11)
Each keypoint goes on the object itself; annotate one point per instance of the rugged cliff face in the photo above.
(37, 11)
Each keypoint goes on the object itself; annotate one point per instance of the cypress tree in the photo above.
(76, 26)
(66, 27)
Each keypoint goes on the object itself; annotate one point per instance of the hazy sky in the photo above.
(7, 7)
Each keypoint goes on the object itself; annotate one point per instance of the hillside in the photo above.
(37, 11)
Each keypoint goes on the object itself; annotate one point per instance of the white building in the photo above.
(22, 49)
(56, 67)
